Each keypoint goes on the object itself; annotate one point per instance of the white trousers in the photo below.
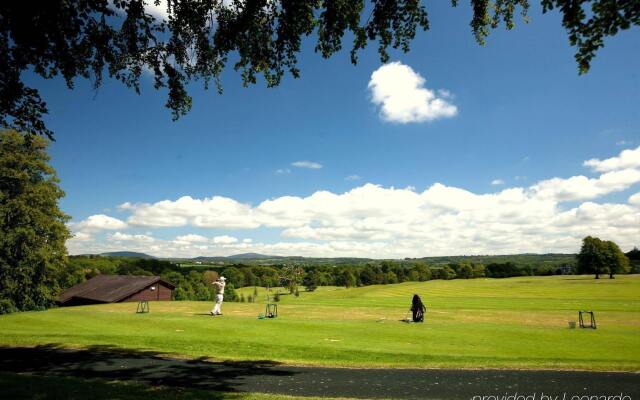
(216, 308)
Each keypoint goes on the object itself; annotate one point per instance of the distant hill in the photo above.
(128, 254)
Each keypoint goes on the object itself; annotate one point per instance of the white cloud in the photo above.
(217, 211)
(224, 239)
(400, 93)
(580, 187)
(82, 236)
(191, 238)
(98, 222)
(629, 158)
(158, 11)
(125, 237)
(306, 164)
(497, 182)
(352, 178)
(283, 171)
(376, 221)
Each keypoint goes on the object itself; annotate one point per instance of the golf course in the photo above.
(515, 323)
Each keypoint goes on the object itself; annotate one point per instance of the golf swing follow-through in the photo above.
(219, 285)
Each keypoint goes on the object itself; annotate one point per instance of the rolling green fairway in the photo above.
(480, 323)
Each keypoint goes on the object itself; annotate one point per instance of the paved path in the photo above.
(269, 377)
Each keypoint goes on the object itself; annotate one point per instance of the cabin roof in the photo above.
(110, 288)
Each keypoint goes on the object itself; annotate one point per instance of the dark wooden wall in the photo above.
(162, 292)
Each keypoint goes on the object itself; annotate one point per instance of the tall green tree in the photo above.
(32, 226)
(615, 260)
(121, 38)
(591, 259)
(634, 260)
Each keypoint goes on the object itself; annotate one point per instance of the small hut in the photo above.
(116, 289)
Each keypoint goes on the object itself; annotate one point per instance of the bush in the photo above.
(7, 307)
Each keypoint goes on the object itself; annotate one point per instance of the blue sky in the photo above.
(518, 113)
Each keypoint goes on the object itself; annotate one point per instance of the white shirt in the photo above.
(219, 287)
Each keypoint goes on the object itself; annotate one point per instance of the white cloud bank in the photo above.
(400, 93)
(376, 221)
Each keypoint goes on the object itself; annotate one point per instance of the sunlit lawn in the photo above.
(481, 323)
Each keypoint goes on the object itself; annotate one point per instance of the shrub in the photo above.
(7, 306)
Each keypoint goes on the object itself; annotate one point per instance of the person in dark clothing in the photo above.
(418, 309)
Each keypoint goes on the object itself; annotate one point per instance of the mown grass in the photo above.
(481, 323)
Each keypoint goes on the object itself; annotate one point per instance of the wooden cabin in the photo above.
(117, 289)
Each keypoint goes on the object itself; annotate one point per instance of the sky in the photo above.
(450, 149)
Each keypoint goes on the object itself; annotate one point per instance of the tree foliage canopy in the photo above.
(32, 227)
(121, 39)
(599, 257)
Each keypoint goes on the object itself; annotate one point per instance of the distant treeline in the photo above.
(194, 282)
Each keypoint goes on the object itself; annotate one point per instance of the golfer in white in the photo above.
(219, 284)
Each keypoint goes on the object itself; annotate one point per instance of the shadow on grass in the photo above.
(145, 367)
(26, 386)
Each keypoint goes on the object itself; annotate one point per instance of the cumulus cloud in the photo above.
(98, 222)
(629, 158)
(401, 94)
(635, 199)
(82, 236)
(581, 187)
(126, 237)
(497, 182)
(306, 164)
(224, 239)
(216, 211)
(191, 238)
